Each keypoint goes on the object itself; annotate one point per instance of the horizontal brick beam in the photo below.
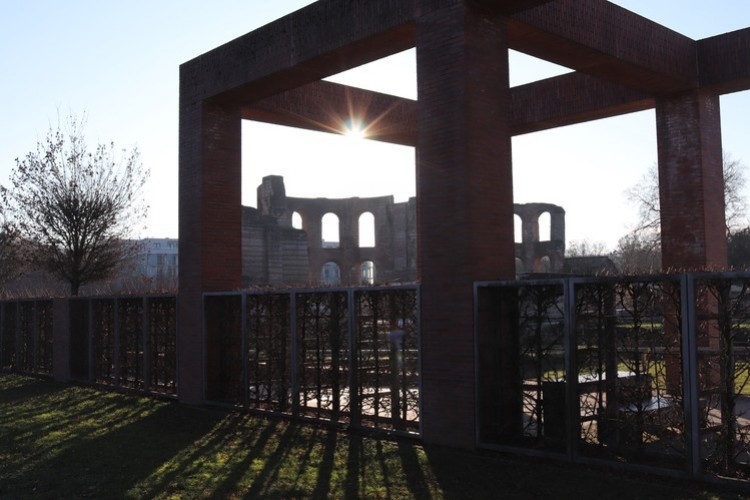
(509, 8)
(569, 99)
(325, 107)
(562, 100)
(596, 37)
(329, 36)
(601, 39)
(322, 39)
(725, 61)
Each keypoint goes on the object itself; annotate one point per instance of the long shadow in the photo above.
(189, 459)
(108, 465)
(383, 466)
(15, 388)
(413, 470)
(353, 466)
(233, 479)
(325, 469)
(288, 440)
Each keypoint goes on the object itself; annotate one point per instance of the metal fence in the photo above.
(125, 342)
(341, 355)
(653, 372)
(26, 336)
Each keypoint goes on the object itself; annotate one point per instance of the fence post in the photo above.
(570, 348)
(20, 361)
(244, 348)
(145, 332)
(35, 336)
(61, 339)
(294, 347)
(2, 335)
(90, 340)
(116, 347)
(355, 415)
(690, 371)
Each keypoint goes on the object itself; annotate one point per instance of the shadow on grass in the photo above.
(69, 441)
(14, 388)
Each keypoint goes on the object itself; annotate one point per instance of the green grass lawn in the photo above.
(64, 441)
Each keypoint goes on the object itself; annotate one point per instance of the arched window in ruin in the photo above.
(367, 273)
(518, 228)
(296, 220)
(330, 224)
(367, 230)
(330, 274)
(519, 266)
(545, 227)
(545, 265)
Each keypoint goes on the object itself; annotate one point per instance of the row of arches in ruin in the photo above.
(366, 228)
(331, 234)
(330, 273)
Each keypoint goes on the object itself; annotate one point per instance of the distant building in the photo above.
(157, 259)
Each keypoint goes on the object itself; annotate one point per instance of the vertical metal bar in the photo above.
(244, 348)
(34, 336)
(19, 358)
(90, 340)
(418, 333)
(2, 334)
(204, 348)
(355, 411)
(116, 351)
(294, 348)
(690, 371)
(572, 400)
(146, 339)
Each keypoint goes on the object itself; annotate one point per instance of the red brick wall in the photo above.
(210, 227)
(691, 184)
(464, 203)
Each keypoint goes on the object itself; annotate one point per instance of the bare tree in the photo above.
(638, 252)
(9, 250)
(645, 195)
(77, 207)
(585, 248)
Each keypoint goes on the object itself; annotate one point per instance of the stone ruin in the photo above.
(277, 253)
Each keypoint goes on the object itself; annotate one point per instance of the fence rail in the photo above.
(341, 355)
(652, 371)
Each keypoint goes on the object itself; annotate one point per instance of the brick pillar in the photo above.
(464, 200)
(691, 197)
(691, 182)
(210, 226)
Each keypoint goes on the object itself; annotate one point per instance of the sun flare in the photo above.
(355, 129)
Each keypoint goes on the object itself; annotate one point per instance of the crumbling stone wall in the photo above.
(532, 254)
(276, 253)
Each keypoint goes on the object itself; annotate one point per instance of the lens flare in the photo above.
(355, 129)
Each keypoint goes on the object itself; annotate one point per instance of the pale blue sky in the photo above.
(118, 61)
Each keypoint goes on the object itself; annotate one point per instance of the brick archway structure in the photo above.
(461, 126)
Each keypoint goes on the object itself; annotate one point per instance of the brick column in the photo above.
(464, 200)
(691, 197)
(210, 226)
(691, 182)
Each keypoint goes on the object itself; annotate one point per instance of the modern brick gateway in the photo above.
(461, 126)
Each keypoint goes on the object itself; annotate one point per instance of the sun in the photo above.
(355, 129)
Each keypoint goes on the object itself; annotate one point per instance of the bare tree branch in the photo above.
(77, 206)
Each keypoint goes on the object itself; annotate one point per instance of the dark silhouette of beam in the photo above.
(562, 100)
